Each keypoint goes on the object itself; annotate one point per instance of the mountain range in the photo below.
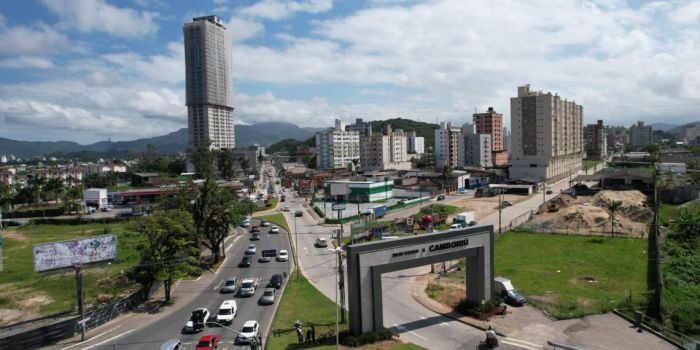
(246, 135)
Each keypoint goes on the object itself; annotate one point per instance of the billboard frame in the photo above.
(72, 263)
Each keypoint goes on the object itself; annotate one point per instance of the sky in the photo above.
(88, 70)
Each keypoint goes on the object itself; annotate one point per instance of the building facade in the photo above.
(491, 123)
(447, 146)
(208, 71)
(416, 144)
(596, 141)
(691, 134)
(364, 130)
(641, 135)
(358, 191)
(547, 136)
(337, 147)
(475, 149)
(388, 150)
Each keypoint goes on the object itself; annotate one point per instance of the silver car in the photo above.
(172, 344)
(230, 285)
(268, 296)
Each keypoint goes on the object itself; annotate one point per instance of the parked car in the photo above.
(275, 281)
(274, 229)
(503, 287)
(453, 226)
(255, 237)
(172, 344)
(283, 255)
(251, 249)
(441, 197)
(227, 311)
(549, 192)
(208, 342)
(507, 203)
(245, 262)
(230, 285)
(268, 297)
(298, 213)
(321, 242)
(250, 329)
(197, 320)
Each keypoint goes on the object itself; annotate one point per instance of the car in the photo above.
(275, 281)
(283, 255)
(549, 192)
(264, 223)
(197, 320)
(230, 285)
(245, 262)
(321, 242)
(285, 209)
(227, 311)
(254, 228)
(250, 329)
(255, 237)
(453, 226)
(172, 344)
(208, 342)
(245, 223)
(441, 197)
(268, 297)
(403, 201)
(507, 203)
(264, 259)
(298, 213)
(248, 286)
(274, 229)
(251, 249)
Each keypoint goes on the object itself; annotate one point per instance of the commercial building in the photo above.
(208, 71)
(491, 123)
(388, 150)
(337, 147)
(596, 141)
(641, 135)
(547, 136)
(416, 144)
(358, 191)
(475, 149)
(447, 146)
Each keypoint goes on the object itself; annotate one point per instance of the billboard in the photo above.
(62, 254)
(339, 189)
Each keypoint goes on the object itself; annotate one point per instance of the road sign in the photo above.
(409, 221)
(338, 206)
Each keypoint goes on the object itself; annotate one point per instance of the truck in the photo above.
(428, 221)
(465, 219)
(378, 211)
(248, 286)
(503, 288)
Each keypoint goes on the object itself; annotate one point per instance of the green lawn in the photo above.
(278, 219)
(590, 163)
(669, 211)
(569, 276)
(22, 288)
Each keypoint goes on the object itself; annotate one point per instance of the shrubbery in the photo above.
(470, 308)
(366, 338)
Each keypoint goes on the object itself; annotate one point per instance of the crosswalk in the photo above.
(521, 343)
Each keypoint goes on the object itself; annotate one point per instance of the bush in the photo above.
(75, 221)
(319, 212)
(365, 338)
(471, 308)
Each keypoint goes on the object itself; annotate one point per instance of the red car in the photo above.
(254, 228)
(208, 342)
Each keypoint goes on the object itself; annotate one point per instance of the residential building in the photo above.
(617, 137)
(641, 135)
(337, 147)
(596, 141)
(364, 130)
(547, 136)
(447, 146)
(491, 123)
(3, 159)
(209, 87)
(416, 144)
(246, 159)
(506, 140)
(475, 149)
(388, 150)
(691, 134)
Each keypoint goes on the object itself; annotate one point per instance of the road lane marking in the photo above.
(506, 341)
(422, 318)
(418, 335)
(524, 342)
(220, 266)
(218, 284)
(110, 339)
(444, 324)
(93, 338)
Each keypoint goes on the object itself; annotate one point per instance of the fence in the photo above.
(640, 320)
(558, 309)
(582, 230)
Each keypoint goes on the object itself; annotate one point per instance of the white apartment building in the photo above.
(641, 135)
(474, 149)
(209, 72)
(388, 150)
(547, 136)
(446, 146)
(416, 144)
(364, 129)
(336, 147)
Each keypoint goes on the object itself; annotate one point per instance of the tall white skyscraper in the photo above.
(209, 73)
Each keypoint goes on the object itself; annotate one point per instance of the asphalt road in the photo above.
(151, 332)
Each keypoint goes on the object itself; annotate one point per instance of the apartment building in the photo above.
(337, 147)
(475, 149)
(388, 150)
(416, 144)
(447, 146)
(364, 129)
(596, 141)
(491, 123)
(641, 135)
(547, 136)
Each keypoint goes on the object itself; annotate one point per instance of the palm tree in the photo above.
(55, 186)
(446, 174)
(613, 207)
(37, 184)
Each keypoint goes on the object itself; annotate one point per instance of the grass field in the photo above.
(573, 275)
(23, 289)
(277, 219)
(589, 163)
(669, 211)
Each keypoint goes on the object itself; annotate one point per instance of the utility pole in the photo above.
(296, 245)
(544, 190)
(341, 275)
(500, 207)
(79, 288)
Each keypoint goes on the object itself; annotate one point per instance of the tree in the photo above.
(36, 185)
(72, 200)
(6, 197)
(168, 250)
(613, 206)
(446, 175)
(225, 163)
(55, 186)
(96, 180)
(203, 159)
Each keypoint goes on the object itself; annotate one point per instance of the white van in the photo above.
(227, 311)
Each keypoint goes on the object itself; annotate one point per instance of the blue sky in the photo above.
(86, 70)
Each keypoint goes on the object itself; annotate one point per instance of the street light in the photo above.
(338, 251)
(255, 343)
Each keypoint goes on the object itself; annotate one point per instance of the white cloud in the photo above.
(169, 67)
(243, 29)
(99, 16)
(24, 40)
(27, 62)
(279, 9)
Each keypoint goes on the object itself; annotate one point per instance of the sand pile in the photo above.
(628, 198)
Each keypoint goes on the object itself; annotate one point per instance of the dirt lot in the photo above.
(589, 214)
(484, 206)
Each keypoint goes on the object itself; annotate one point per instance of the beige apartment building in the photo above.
(547, 136)
(447, 139)
(387, 150)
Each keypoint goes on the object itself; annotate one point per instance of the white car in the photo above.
(251, 249)
(274, 229)
(250, 329)
(283, 255)
(245, 223)
(197, 320)
(227, 311)
(248, 286)
(285, 209)
(453, 226)
(321, 242)
(264, 223)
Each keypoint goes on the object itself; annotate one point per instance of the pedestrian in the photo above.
(308, 335)
(300, 335)
(313, 334)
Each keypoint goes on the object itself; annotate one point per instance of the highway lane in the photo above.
(151, 332)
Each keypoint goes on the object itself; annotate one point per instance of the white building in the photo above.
(364, 129)
(547, 136)
(474, 149)
(388, 150)
(641, 135)
(3, 159)
(416, 144)
(209, 72)
(446, 146)
(95, 197)
(336, 147)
